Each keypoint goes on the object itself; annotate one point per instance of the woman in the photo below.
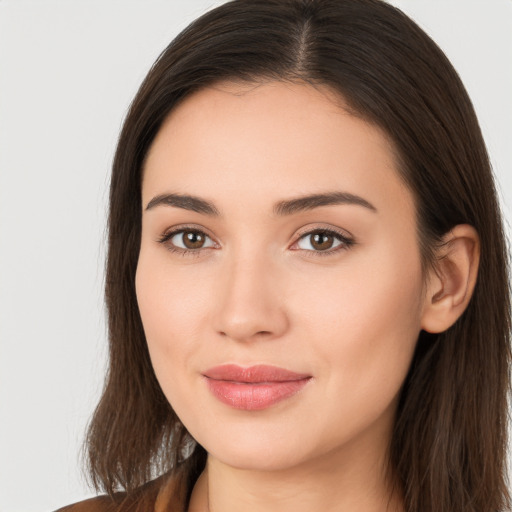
(307, 278)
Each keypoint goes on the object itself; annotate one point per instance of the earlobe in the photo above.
(451, 283)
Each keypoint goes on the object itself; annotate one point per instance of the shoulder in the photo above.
(98, 504)
(143, 499)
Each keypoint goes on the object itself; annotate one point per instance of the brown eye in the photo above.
(322, 241)
(193, 239)
(327, 241)
(187, 240)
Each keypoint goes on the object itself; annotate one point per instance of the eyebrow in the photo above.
(309, 202)
(281, 208)
(192, 203)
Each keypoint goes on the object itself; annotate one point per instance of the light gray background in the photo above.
(68, 70)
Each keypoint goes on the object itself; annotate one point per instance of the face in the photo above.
(279, 278)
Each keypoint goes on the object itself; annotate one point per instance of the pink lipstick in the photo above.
(253, 388)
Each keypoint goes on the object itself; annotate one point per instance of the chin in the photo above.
(257, 460)
(256, 451)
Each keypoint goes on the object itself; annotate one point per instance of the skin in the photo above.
(259, 292)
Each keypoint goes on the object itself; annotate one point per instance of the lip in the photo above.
(255, 387)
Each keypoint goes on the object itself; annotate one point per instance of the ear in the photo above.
(452, 281)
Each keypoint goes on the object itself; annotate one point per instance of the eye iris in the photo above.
(322, 241)
(193, 239)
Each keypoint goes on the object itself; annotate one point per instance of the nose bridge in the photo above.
(250, 301)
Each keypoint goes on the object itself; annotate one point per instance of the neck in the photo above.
(336, 482)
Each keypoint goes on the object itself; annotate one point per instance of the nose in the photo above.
(250, 302)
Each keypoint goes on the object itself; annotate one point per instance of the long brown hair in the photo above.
(448, 449)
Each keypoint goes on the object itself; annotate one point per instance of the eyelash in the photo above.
(346, 242)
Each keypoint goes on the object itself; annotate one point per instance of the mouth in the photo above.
(253, 388)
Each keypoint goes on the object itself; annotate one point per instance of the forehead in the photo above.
(269, 140)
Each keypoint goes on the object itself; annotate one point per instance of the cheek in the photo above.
(365, 322)
(171, 306)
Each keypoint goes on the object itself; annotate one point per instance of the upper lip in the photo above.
(252, 374)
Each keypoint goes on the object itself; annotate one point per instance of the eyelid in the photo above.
(342, 233)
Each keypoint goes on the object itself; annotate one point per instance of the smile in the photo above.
(253, 388)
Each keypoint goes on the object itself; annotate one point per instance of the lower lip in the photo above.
(254, 396)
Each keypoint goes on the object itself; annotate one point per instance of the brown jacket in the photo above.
(167, 493)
